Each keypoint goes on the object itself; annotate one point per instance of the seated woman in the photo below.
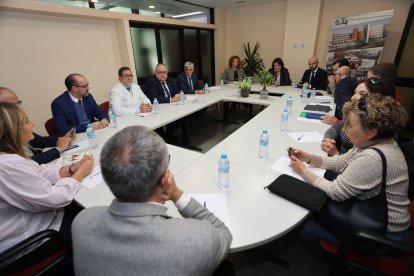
(32, 196)
(369, 122)
(335, 140)
(234, 71)
(280, 73)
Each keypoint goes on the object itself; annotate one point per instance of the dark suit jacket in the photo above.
(184, 86)
(319, 81)
(154, 89)
(284, 75)
(41, 142)
(66, 117)
(343, 93)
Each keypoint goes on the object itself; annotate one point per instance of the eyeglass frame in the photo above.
(86, 86)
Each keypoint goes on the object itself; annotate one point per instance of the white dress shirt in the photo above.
(124, 102)
(32, 198)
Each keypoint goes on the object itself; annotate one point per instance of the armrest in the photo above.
(25, 244)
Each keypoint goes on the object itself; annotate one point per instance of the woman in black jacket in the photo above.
(280, 73)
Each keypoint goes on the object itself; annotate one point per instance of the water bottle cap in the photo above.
(285, 110)
(264, 131)
(290, 97)
(88, 125)
(224, 155)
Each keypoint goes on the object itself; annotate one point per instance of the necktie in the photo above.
(312, 76)
(166, 91)
(80, 102)
(190, 84)
(129, 89)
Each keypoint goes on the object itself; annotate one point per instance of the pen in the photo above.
(90, 177)
(205, 205)
(72, 147)
(301, 136)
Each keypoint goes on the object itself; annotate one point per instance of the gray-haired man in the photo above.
(134, 235)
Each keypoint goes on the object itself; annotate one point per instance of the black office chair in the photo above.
(51, 257)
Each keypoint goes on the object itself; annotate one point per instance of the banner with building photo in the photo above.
(360, 39)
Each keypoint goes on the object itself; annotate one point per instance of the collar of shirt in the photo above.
(316, 70)
(73, 98)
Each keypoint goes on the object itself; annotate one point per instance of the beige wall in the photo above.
(38, 52)
(220, 42)
(337, 8)
(263, 23)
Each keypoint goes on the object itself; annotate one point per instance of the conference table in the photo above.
(256, 216)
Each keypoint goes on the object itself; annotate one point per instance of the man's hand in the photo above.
(145, 108)
(172, 192)
(199, 91)
(101, 124)
(63, 142)
(72, 134)
(331, 79)
(176, 98)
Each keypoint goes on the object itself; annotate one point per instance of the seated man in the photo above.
(162, 87)
(35, 146)
(345, 87)
(188, 81)
(315, 76)
(76, 107)
(331, 78)
(126, 97)
(134, 235)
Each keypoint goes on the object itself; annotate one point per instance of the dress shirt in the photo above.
(124, 102)
(32, 198)
(166, 90)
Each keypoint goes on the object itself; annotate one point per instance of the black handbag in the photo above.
(348, 217)
(299, 192)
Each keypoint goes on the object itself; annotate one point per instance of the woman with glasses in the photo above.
(32, 196)
(335, 141)
(280, 72)
(234, 72)
(370, 122)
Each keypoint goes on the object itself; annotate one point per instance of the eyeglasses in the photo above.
(128, 76)
(162, 72)
(376, 80)
(363, 103)
(84, 86)
(19, 103)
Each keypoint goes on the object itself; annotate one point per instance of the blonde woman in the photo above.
(32, 196)
(234, 71)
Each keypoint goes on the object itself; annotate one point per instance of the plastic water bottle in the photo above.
(156, 106)
(313, 96)
(264, 144)
(90, 133)
(289, 104)
(206, 88)
(284, 120)
(112, 118)
(293, 85)
(304, 92)
(182, 97)
(221, 84)
(223, 170)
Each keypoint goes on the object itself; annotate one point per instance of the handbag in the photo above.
(348, 217)
(299, 192)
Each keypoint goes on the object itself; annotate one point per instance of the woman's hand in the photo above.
(78, 170)
(297, 165)
(301, 155)
(330, 120)
(328, 145)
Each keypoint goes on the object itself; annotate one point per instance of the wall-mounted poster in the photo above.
(360, 39)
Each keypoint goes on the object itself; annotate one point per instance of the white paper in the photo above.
(93, 179)
(306, 137)
(324, 99)
(214, 88)
(283, 165)
(215, 203)
(144, 114)
(82, 145)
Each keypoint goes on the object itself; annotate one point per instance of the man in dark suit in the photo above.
(162, 87)
(188, 81)
(34, 149)
(345, 87)
(77, 108)
(315, 76)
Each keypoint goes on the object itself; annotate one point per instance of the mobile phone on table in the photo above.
(292, 152)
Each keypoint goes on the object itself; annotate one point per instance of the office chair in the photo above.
(397, 263)
(105, 106)
(19, 259)
(50, 126)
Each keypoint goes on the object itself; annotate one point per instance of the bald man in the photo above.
(34, 151)
(345, 87)
(315, 76)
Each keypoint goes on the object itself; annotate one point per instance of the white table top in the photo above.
(256, 215)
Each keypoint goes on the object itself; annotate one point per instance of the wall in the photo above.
(39, 51)
(263, 23)
(334, 9)
(220, 40)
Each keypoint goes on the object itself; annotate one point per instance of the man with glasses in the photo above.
(331, 78)
(126, 97)
(345, 87)
(315, 77)
(35, 146)
(76, 107)
(162, 87)
(135, 235)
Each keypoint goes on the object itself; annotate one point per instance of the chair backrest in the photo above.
(412, 214)
(105, 106)
(50, 126)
